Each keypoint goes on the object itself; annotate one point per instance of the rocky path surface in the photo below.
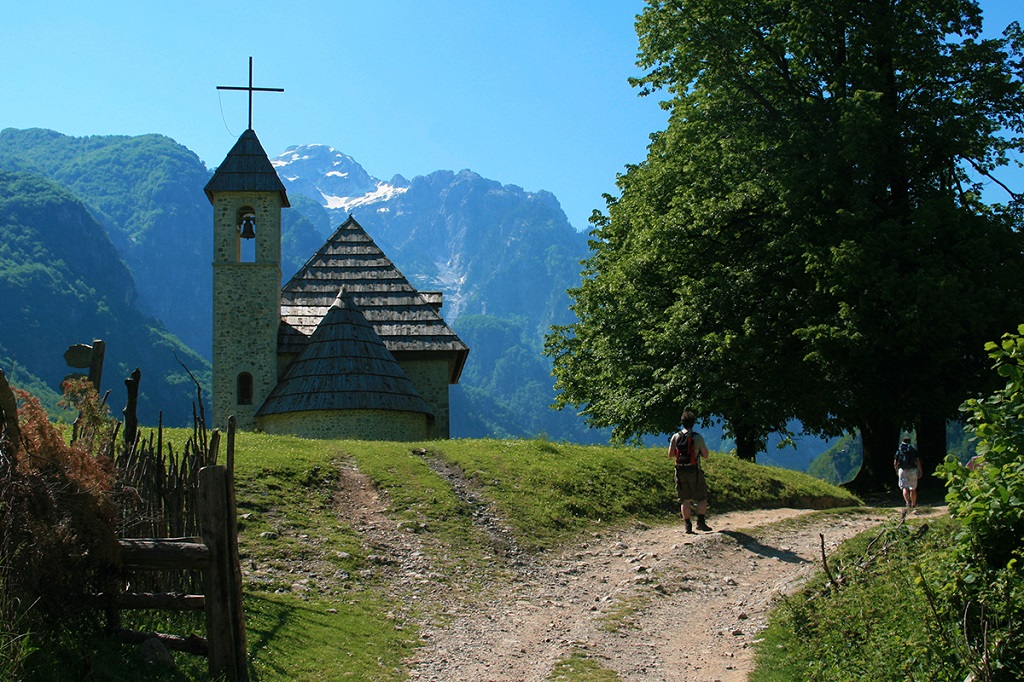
(651, 604)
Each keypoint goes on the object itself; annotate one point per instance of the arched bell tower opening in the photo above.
(246, 225)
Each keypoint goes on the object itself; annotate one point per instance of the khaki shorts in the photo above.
(690, 484)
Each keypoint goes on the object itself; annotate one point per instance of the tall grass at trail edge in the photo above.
(879, 624)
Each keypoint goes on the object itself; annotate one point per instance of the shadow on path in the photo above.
(750, 543)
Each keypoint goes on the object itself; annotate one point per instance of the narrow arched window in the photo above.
(246, 226)
(244, 389)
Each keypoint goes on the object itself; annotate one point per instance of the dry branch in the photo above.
(824, 562)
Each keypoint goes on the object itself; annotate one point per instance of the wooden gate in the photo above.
(215, 554)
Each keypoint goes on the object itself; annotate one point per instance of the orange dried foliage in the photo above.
(57, 514)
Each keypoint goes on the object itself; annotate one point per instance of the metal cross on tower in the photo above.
(251, 90)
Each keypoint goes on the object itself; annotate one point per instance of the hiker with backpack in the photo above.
(908, 469)
(687, 447)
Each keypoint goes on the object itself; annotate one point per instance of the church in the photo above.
(348, 348)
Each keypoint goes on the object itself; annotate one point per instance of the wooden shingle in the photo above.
(344, 366)
(405, 320)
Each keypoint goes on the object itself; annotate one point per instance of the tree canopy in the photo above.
(808, 238)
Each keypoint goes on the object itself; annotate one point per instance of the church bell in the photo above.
(248, 227)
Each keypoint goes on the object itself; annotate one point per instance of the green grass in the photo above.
(580, 667)
(549, 493)
(338, 619)
(295, 639)
(878, 625)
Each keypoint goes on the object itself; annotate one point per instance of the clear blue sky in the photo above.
(532, 93)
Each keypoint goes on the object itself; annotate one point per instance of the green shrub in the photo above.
(875, 622)
(947, 606)
(985, 591)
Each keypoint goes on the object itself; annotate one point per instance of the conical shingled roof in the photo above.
(344, 366)
(350, 259)
(246, 168)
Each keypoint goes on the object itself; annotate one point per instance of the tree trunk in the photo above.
(931, 446)
(746, 444)
(879, 436)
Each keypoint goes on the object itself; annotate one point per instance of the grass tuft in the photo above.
(581, 667)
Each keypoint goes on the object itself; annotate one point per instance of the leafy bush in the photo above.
(986, 589)
(945, 606)
(871, 621)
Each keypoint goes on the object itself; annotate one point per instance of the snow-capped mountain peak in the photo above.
(318, 170)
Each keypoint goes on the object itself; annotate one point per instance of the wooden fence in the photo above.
(210, 550)
(160, 486)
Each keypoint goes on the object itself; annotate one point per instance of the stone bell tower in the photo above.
(247, 198)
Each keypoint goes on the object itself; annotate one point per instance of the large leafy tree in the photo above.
(807, 239)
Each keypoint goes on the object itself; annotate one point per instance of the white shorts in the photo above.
(908, 478)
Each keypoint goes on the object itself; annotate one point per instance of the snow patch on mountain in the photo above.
(383, 192)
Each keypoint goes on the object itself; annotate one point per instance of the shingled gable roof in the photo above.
(345, 366)
(246, 168)
(401, 316)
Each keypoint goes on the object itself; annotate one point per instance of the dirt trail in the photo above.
(651, 604)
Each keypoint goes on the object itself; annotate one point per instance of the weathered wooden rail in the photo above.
(215, 555)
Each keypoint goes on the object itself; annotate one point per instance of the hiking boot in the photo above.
(701, 525)
(689, 526)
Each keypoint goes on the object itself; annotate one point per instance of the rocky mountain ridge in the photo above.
(322, 173)
(456, 232)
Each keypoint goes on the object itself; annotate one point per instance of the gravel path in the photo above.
(651, 604)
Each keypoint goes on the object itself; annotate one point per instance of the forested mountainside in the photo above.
(62, 283)
(147, 194)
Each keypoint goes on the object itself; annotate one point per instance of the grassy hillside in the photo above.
(351, 623)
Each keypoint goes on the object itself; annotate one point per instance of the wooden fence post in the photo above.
(223, 598)
(238, 611)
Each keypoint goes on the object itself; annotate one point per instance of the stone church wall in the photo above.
(348, 424)
(246, 305)
(430, 377)
(244, 339)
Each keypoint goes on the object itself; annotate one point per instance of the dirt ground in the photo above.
(651, 604)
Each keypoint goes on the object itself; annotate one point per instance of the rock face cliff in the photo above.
(492, 249)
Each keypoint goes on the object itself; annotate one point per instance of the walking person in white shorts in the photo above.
(908, 468)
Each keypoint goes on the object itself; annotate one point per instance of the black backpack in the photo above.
(686, 452)
(906, 456)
